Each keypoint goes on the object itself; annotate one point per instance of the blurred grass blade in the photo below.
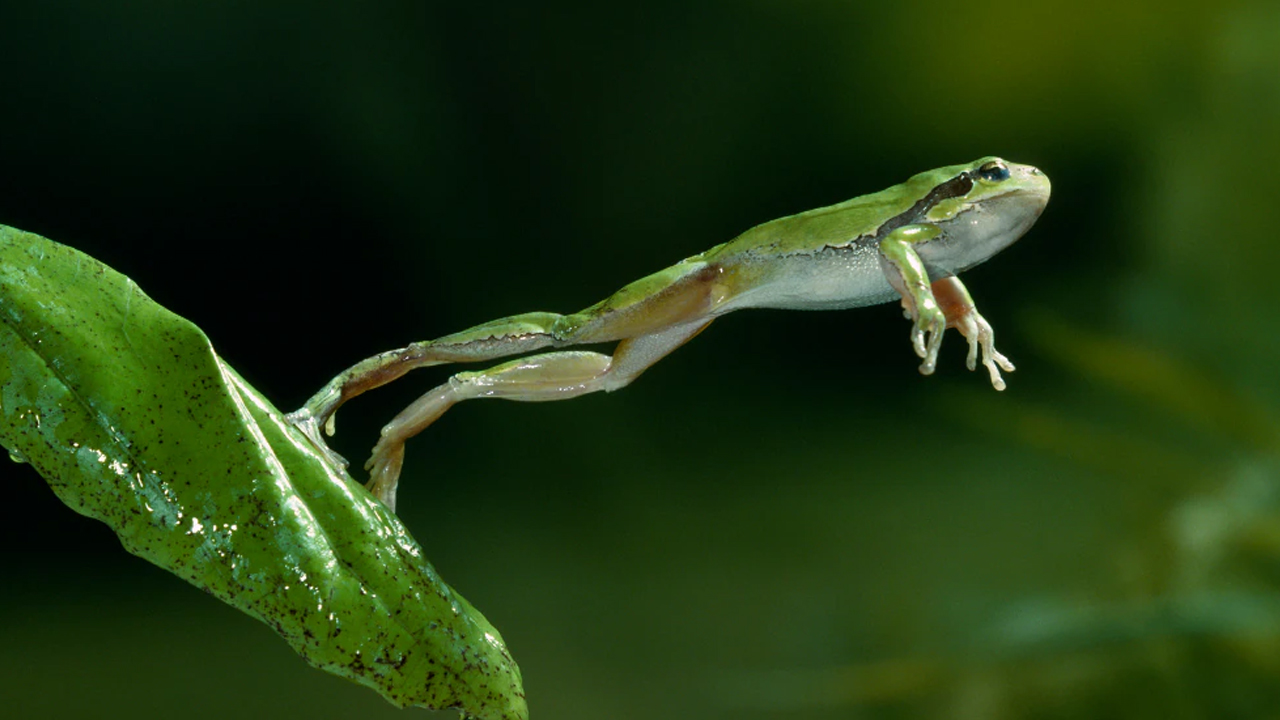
(1193, 396)
(133, 419)
(1123, 451)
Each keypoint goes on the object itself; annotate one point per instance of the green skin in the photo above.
(133, 419)
(907, 242)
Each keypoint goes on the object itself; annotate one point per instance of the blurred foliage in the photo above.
(783, 519)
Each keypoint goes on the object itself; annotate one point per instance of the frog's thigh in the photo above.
(540, 378)
(684, 294)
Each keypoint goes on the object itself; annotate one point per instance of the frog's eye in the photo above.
(993, 171)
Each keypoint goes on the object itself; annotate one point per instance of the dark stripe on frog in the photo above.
(955, 187)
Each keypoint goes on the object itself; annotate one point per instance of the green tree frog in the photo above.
(907, 242)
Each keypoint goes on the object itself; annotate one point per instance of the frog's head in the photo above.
(981, 208)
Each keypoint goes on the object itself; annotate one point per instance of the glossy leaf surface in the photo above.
(132, 418)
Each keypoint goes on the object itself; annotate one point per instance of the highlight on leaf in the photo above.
(132, 418)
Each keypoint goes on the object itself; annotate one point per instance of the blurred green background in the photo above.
(782, 520)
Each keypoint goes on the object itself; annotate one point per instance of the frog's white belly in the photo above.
(832, 279)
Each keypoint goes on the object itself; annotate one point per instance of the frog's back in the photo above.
(833, 226)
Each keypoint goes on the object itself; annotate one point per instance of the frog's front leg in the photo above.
(935, 306)
(906, 273)
(962, 314)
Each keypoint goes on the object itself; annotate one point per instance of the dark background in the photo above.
(782, 520)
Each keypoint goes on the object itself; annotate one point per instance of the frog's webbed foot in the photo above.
(319, 412)
(385, 463)
(928, 325)
(384, 471)
(979, 333)
(962, 315)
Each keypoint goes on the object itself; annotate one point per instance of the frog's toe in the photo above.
(918, 341)
(982, 335)
(384, 472)
(309, 425)
(926, 337)
(994, 362)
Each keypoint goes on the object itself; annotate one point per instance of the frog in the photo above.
(908, 242)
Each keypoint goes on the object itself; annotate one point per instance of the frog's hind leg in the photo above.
(550, 376)
(494, 339)
(677, 295)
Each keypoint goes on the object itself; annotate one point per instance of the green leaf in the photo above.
(133, 419)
